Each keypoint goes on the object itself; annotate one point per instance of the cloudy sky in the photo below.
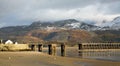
(19, 12)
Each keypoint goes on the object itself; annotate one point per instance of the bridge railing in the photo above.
(99, 46)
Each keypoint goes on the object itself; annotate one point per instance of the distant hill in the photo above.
(63, 24)
(109, 35)
(112, 25)
(69, 30)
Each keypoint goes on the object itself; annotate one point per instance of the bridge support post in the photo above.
(52, 49)
(33, 47)
(118, 46)
(40, 46)
(63, 50)
(79, 46)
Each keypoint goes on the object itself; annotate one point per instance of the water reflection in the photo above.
(99, 53)
(112, 55)
(104, 55)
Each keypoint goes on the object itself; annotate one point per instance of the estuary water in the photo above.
(108, 55)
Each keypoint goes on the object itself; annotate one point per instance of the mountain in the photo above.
(113, 25)
(69, 30)
(110, 32)
(68, 24)
(116, 23)
(64, 24)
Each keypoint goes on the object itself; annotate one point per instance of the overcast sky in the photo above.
(19, 12)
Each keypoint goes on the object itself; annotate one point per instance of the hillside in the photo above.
(71, 31)
(109, 35)
(39, 35)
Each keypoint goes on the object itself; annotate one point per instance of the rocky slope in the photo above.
(69, 30)
(63, 24)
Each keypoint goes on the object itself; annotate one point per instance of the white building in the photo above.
(16, 42)
(8, 42)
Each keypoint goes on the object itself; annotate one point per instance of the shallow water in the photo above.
(99, 55)
(102, 55)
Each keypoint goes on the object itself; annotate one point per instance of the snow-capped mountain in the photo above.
(116, 23)
(113, 25)
(66, 24)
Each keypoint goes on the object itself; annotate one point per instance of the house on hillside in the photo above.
(8, 42)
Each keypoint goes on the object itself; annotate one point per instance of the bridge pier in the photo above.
(52, 49)
(63, 50)
(40, 46)
(33, 47)
(80, 46)
(119, 46)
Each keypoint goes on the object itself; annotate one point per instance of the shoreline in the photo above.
(42, 59)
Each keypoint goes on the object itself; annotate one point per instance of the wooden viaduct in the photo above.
(99, 46)
(81, 46)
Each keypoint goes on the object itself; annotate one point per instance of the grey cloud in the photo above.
(109, 7)
(113, 8)
(108, 1)
(8, 6)
(16, 11)
(61, 4)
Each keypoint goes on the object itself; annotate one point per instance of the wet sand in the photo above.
(41, 59)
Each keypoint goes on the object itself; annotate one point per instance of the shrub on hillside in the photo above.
(5, 47)
(14, 47)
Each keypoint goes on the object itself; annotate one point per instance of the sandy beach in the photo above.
(41, 59)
